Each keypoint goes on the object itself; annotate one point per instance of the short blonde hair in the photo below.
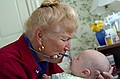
(52, 16)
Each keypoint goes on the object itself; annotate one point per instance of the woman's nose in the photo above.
(67, 46)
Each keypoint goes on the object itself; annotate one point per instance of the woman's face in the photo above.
(57, 44)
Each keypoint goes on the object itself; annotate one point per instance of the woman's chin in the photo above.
(59, 60)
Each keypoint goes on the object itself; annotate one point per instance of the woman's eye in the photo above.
(67, 39)
(64, 40)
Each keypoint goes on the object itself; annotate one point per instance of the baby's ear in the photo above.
(86, 72)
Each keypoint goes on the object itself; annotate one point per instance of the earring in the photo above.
(42, 48)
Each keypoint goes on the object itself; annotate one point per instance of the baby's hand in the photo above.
(44, 76)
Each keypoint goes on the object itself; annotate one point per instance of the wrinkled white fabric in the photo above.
(64, 76)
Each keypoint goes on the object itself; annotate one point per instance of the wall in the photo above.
(13, 14)
(84, 38)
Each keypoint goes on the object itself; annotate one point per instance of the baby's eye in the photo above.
(77, 59)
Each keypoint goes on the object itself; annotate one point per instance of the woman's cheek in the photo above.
(61, 45)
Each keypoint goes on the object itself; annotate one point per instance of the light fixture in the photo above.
(100, 7)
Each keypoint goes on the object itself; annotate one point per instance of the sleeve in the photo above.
(53, 68)
(63, 76)
(57, 76)
(10, 68)
(5, 75)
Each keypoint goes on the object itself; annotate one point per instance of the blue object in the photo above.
(100, 36)
(42, 66)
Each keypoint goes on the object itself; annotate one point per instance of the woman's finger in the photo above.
(107, 75)
(104, 75)
(44, 76)
(111, 70)
(98, 75)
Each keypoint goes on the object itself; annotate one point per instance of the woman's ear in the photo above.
(39, 33)
(86, 72)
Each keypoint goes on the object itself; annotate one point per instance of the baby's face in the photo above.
(77, 66)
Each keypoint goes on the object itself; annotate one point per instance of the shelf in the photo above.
(108, 46)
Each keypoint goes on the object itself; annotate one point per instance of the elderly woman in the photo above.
(43, 44)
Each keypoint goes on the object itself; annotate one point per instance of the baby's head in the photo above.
(87, 62)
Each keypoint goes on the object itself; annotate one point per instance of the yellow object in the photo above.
(96, 27)
(109, 40)
(118, 33)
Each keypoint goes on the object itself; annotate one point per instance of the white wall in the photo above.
(13, 14)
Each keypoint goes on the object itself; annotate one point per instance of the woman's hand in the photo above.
(104, 75)
(44, 76)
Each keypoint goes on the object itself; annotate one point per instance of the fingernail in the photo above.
(104, 72)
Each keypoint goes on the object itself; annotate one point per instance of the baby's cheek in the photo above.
(73, 63)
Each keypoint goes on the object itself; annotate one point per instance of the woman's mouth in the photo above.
(60, 56)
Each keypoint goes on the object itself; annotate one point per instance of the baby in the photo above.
(84, 66)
